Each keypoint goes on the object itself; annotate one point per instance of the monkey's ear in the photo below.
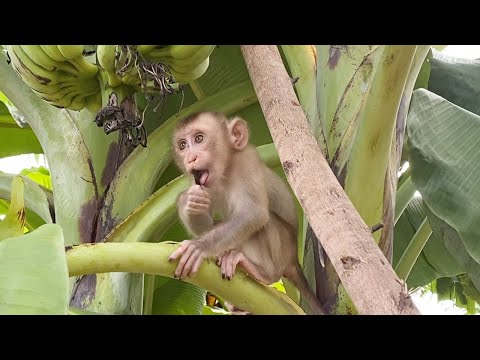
(238, 129)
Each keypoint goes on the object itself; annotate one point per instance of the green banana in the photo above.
(179, 51)
(67, 101)
(94, 102)
(145, 49)
(62, 99)
(37, 74)
(106, 59)
(53, 52)
(79, 66)
(57, 96)
(74, 55)
(30, 70)
(71, 52)
(185, 78)
(14, 221)
(41, 58)
(85, 68)
(196, 57)
(78, 102)
(33, 80)
(56, 93)
(38, 56)
(57, 87)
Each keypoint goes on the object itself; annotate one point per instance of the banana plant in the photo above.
(92, 115)
(443, 121)
(103, 116)
(362, 97)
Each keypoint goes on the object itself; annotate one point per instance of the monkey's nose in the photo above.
(192, 158)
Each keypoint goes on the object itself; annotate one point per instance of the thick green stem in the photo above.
(149, 290)
(302, 60)
(242, 291)
(371, 150)
(413, 250)
(404, 195)
(391, 178)
(76, 311)
(359, 263)
(153, 217)
(74, 181)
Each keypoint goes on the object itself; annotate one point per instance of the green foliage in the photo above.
(354, 122)
(34, 276)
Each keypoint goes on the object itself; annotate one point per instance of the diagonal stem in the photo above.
(363, 269)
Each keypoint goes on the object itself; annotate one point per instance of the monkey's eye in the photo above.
(182, 144)
(199, 138)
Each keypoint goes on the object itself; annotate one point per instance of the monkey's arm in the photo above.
(248, 215)
(196, 224)
(280, 199)
(238, 227)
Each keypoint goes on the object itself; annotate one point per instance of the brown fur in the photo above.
(259, 227)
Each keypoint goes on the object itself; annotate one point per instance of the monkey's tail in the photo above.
(297, 277)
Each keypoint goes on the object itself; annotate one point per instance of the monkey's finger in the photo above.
(183, 260)
(198, 206)
(237, 258)
(222, 256)
(230, 266)
(223, 266)
(191, 211)
(188, 265)
(183, 246)
(196, 266)
(198, 199)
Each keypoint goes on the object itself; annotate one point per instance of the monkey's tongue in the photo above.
(203, 177)
(200, 176)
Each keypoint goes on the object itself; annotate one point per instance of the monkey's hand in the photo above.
(196, 201)
(195, 210)
(191, 255)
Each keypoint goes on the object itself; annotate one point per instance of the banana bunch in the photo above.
(59, 74)
(186, 62)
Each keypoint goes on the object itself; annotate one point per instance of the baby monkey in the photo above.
(258, 229)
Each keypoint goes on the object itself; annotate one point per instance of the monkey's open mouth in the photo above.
(200, 176)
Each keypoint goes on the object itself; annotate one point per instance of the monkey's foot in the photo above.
(232, 258)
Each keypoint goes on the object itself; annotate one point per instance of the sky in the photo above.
(427, 304)
(464, 51)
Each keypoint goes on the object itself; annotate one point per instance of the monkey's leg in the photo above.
(232, 258)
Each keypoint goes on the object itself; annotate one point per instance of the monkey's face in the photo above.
(198, 150)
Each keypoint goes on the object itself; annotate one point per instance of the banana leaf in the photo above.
(456, 79)
(444, 156)
(33, 273)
